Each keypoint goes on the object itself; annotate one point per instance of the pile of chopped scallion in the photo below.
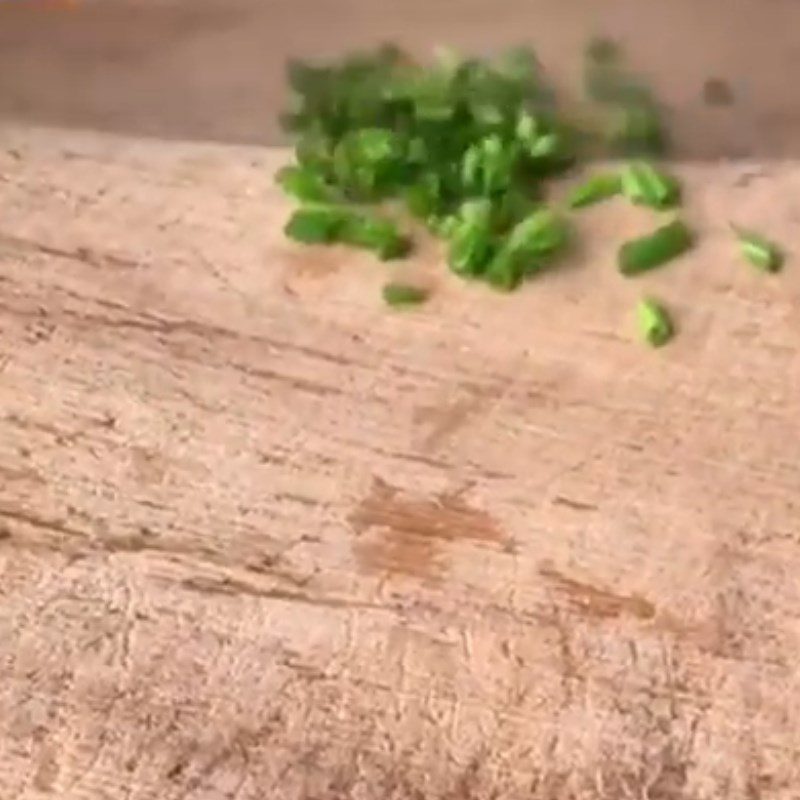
(467, 147)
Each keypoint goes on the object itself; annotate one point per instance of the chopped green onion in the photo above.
(545, 146)
(760, 252)
(527, 249)
(443, 225)
(597, 188)
(470, 238)
(403, 294)
(506, 270)
(467, 147)
(488, 166)
(324, 224)
(644, 185)
(316, 224)
(655, 249)
(368, 162)
(424, 198)
(374, 233)
(543, 233)
(305, 183)
(655, 325)
(511, 208)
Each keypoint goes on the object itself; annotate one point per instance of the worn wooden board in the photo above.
(263, 538)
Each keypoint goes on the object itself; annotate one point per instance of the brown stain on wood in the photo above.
(403, 534)
(575, 505)
(597, 603)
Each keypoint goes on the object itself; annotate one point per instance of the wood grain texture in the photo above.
(261, 537)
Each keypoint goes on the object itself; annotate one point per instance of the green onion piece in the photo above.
(424, 198)
(644, 185)
(315, 150)
(316, 224)
(527, 249)
(506, 270)
(442, 226)
(655, 249)
(543, 234)
(597, 188)
(470, 238)
(367, 162)
(488, 165)
(760, 252)
(403, 294)
(546, 146)
(655, 325)
(305, 183)
(374, 233)
(510, 209)
(527, 128)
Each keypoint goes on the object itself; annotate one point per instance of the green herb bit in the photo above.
(403, 294)
(655, 325)
(488, 165)
(543, 234)
(506, 270)
(597, 188)
(760, 252)
(511, 208)
(442, 225)
(433, 93)
(528, 128)
(425, 198)
(307, 78)
(368, 161)
(527, 249)
(470, 237)
(315, 150)
(375, 233)
(651, 251)
(316, 224)
(305, 183)
(645, 185)
(548, 145)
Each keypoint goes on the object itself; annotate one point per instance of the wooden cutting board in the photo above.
(262, 537)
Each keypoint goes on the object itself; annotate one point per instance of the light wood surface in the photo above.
(263, 538)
